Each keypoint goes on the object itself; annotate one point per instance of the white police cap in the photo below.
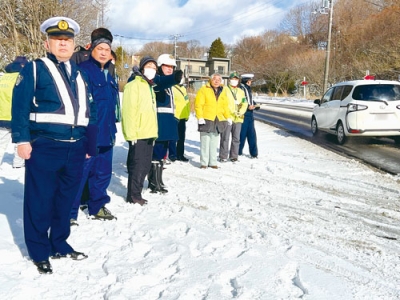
(60, 26)
(247, 76)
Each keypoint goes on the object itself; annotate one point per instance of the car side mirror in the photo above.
(317, 101)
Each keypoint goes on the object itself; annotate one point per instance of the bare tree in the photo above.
(155, 49)
(21, 19)
(299, 20)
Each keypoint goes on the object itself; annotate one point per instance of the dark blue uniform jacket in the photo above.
(104, 90)
(47, 100)
(167, 123)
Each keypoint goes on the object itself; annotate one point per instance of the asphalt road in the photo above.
(380, 153)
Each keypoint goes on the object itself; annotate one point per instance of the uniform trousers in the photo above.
(172, 150)
(138, 164)
(176, 149)
(97, 171)
(224, 144)
(160, 150)
(208, 148)
(248, 132)
(52, 177)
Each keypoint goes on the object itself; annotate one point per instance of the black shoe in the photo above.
(74, 255)
(44, 267)
(159, 190)
(182, 158)
(172, 159)
(253, 157)
(234, 159)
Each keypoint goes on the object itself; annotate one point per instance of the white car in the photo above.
(359, 108)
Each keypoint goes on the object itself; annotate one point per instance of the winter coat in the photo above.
(182, 104)
(167, 123)
(105, 94)
(214, 111)
(237, 103)
(40, 96)
(139, 115)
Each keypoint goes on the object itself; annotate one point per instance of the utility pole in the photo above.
(100, 11)
(327, 4)
(175, 37)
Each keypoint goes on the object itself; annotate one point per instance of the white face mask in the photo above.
(234, 82)
(149, 73)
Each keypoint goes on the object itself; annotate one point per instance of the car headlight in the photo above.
(356, 107)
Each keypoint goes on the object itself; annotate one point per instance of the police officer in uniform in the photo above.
(248, 130)
(167, 123)
(52, 127)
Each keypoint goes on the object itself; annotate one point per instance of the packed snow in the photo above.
(298, 222)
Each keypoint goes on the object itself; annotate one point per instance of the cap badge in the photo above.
(63, 25)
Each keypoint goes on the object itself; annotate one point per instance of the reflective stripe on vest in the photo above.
(171, 108)
(68, 117)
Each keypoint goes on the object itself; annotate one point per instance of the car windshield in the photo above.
(371, 92)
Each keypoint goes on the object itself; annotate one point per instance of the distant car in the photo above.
(359, 108)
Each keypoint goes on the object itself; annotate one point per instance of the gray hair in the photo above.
(215, 75)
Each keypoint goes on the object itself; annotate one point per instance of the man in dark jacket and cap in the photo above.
(104, 90)
(82, 54)
(7, 82)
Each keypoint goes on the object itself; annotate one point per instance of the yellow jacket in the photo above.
(237, 103)
(139, 112)
(182, 104)
(7, 82)
(207, 107)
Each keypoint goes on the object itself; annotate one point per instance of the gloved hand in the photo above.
(178, 76)
(202, 121)
(229, 121)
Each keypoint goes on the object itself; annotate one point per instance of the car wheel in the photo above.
(314, 126)
(340, 135)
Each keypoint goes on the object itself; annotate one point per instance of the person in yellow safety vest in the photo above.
(7, 82)
(182, 112)
(238, 106)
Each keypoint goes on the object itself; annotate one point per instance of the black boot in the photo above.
(154, 184)
(159, 178)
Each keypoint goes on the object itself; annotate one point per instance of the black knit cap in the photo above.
(101, 35)
(144, 61)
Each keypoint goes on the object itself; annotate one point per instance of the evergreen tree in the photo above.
(217, 49)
